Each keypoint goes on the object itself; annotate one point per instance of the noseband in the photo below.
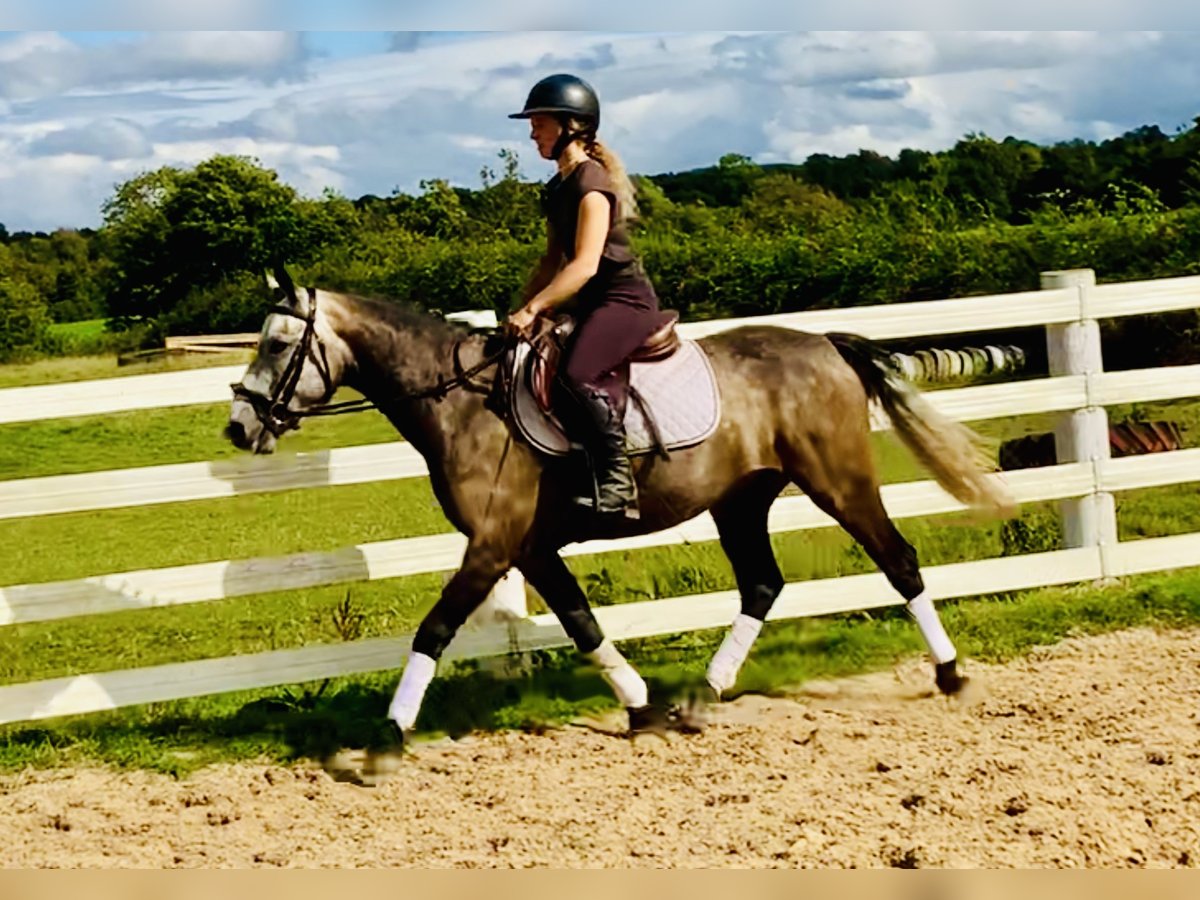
(273, 411)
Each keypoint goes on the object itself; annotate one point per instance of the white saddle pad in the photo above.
(681, 392)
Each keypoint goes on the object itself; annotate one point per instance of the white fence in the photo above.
(1085, 479)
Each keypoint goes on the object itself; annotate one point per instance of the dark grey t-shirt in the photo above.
(560, 203)
(620, 277)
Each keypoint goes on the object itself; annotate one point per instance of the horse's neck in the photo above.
(391, 362)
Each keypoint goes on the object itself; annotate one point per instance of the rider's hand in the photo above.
(522, 321)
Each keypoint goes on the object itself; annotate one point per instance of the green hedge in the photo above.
(722, 272)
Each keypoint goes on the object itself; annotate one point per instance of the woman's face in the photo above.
(544, 130)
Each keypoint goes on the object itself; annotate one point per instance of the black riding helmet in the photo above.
(565, 97)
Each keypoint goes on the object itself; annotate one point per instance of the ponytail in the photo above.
(622, 186)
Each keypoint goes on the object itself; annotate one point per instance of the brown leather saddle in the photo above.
(660, 345)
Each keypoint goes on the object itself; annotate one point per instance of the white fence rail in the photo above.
(900, 320)
(437, 553)
(25, 497)
(1078, 390)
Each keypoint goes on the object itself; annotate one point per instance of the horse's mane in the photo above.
(399, 315)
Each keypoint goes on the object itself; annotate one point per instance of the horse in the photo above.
(795, 410)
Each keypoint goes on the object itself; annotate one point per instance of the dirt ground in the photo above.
(1082, 754)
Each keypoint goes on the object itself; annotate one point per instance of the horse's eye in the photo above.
(276, 346)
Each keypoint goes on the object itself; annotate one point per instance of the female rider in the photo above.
(588, 258)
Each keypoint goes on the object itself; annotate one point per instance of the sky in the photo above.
(374, 112)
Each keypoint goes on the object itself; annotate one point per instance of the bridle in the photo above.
(274, 412)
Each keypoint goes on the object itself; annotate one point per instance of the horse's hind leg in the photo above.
(841, 481)
(741, 518)
(549, 575)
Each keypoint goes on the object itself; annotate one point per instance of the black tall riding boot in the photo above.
(604, 442)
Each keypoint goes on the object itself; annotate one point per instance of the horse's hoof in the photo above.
(401, 740)
(711, 692)
(690, 718)
(380, 766)
(648, 719)
(948, 680)
(691, 715)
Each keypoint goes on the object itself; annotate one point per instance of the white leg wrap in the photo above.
(406, 703)
(931, 628)
(728, 660)
(624, 680)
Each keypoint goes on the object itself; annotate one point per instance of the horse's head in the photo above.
(298, 366)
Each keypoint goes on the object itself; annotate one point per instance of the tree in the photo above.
(172, 232)
(24, 321)
(437, 212)
(144, 279)
(509, 207)
(332, 219)
(991, 178)
(855, 176)
(230, 215)
(779, 203)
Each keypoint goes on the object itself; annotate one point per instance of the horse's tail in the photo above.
(955, 454)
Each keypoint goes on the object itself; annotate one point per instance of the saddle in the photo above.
(675, 402)
(661, 344)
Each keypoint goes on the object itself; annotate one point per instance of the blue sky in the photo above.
(370, 112)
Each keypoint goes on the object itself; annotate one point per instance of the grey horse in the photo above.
(794, 411)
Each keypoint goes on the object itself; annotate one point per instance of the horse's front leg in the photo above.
(483, 565)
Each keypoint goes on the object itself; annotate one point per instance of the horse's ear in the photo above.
(284, 280)
(273, 290)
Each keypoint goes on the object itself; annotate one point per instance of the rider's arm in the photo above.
(548, 265)
(590, 235)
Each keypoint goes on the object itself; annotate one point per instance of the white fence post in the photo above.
(1082, 435)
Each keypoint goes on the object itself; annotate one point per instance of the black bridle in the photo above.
(274, 411)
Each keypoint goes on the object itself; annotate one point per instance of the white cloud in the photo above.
(112, 139)
(93, 116)
(36, 65)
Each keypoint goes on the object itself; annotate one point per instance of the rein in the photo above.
(277, 418)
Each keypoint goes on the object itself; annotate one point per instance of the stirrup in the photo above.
(591, 502)
(588, 504)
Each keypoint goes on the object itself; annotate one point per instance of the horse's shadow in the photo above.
(549, 694)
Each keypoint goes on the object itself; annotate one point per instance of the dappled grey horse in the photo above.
(794, 410)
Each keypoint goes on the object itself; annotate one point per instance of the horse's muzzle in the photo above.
(236, 433)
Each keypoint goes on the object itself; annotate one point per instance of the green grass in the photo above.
(155, 437)
(284, 619)
(76, 545)
(59, 369)
(281, 619)
(239, 625)
(84, 329)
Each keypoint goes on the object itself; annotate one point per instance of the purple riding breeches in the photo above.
(603, 340)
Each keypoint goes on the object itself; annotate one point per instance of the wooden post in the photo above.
(1082, 435)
